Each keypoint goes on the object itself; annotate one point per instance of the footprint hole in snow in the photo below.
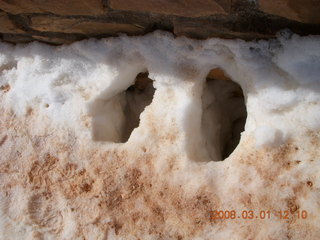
(113, 120)
(224, 114)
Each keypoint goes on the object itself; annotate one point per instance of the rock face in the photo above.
(306, 11)
(7, 26)
(67, 25)
(58, 7)
(123, 138)
(189, 8)
(59, 22)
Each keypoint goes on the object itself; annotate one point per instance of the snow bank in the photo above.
(68, 82)
(73, 101)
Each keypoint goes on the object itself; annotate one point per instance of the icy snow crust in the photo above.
(58, 182)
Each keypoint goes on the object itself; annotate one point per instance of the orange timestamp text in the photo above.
(250, 214)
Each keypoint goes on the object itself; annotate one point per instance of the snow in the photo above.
(87, 77)
(78, 93)
(268, 136)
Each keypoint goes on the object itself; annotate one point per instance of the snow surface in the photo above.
(80, 89)
(277, 76)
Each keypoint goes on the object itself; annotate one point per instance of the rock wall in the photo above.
(59, 22)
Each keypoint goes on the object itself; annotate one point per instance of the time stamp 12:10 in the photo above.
(249, 214)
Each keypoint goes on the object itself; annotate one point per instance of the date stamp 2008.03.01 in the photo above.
(263, 214)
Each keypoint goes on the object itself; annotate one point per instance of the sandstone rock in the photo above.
(17, 38)
(60, 7)
(217, 73)
(203, 29)
(190, 8)
(306, 11)
(7, 26)
(79, 19)
(54, 40)
(72, 25)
